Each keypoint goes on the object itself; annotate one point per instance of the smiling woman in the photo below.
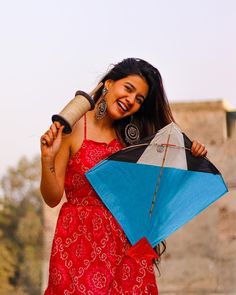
(90, 253)
(125, 96)
(138, 84)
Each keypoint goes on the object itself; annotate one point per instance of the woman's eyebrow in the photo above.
(131, 85)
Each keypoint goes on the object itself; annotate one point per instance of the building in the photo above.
(201, 257)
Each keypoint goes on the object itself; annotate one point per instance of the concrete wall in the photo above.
(206, 121)
(50, 218)
(201, 257)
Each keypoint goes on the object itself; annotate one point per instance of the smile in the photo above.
(122, 106)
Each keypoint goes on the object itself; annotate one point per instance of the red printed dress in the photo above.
(90, 251)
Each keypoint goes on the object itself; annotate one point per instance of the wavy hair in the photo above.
(155, 112)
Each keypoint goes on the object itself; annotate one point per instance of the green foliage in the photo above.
(7, 265)
(21, 230)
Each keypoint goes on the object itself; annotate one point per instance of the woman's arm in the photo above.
(55, 152)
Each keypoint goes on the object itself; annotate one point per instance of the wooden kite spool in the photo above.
(75, 109)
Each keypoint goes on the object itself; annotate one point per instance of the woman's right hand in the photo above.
(51, 141)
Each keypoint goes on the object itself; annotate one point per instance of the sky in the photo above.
(50, 49)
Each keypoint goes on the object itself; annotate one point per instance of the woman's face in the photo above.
(125, 96)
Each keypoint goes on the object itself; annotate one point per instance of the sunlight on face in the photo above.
(125, 96)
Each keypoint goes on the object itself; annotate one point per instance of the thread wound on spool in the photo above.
(89, 98)
(74, 110)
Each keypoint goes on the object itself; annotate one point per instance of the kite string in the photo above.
(160, 174)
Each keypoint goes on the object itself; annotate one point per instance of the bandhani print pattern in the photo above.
(90, 252)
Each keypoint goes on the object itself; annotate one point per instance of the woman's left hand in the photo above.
(198, 149)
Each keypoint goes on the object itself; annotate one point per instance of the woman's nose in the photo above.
(130, 99)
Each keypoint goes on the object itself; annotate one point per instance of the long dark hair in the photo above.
(155, 112)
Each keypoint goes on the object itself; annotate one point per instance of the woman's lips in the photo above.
(122, 106)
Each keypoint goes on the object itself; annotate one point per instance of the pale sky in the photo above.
(50, 49)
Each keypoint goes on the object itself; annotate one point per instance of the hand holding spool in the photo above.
(75, 109)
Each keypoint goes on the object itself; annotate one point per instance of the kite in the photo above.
(156, 186)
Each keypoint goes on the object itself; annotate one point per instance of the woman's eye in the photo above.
(139, 100)
(128, 88)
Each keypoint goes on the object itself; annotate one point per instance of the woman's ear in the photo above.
(108, 83)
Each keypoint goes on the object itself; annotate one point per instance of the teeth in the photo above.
(124, 108)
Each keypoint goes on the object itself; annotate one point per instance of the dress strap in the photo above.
(85, 127)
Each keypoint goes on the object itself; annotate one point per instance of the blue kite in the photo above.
(156, 186)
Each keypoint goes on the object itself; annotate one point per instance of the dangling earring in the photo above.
(101, 108)
(132, 133)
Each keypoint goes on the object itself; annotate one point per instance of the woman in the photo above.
(90, 252)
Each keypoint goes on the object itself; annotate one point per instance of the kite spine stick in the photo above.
(160, 174)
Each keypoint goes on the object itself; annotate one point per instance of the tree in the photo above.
(7, 266)
(21, 229)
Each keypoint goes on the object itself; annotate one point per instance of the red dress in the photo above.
(90, 251)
